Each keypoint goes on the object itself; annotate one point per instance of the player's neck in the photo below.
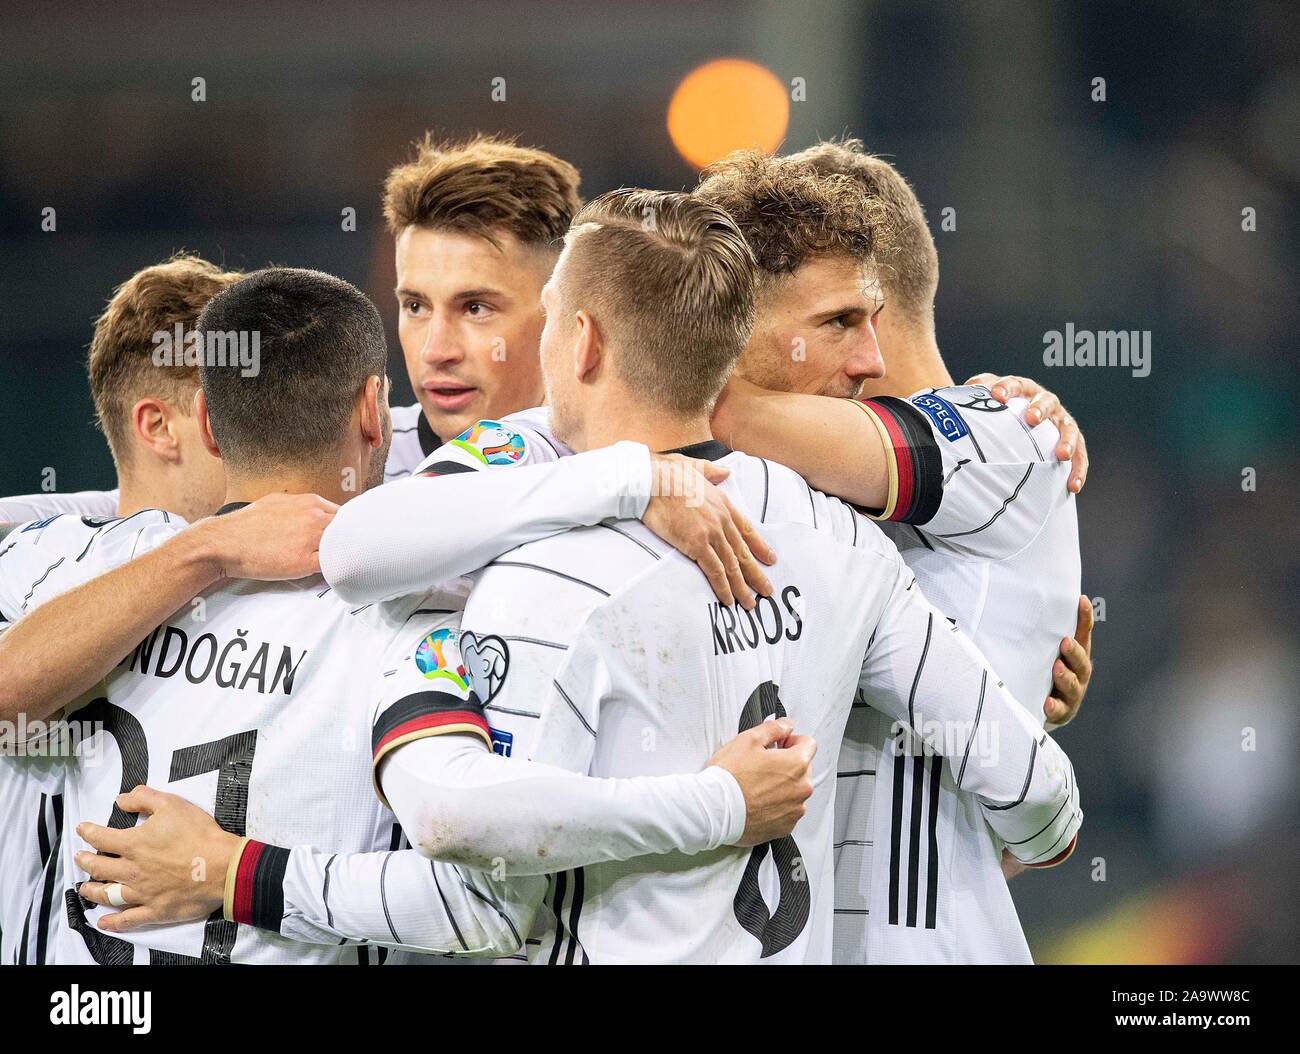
(329, 485)
(642, 424)
(154, 490)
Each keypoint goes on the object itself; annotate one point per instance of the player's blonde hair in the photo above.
(669, 280)
(121, 361)
(910, 271)
(483, 186)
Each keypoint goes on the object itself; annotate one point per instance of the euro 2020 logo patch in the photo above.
(492, 443)
(438, 659)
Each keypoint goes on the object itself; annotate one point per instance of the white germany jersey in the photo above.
(995, 546)
(247, 703)
(37, 560)
(31, 825)
(604, 651)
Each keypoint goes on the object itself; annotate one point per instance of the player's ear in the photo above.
(205, 426)
(151, 426)
(373, 400)
(588, 349)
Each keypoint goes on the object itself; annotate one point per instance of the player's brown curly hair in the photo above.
(121, 357)
(911, 274)
(788, 211)
(482, 186)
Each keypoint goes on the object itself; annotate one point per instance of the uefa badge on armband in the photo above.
(492, 443)
(438, 659)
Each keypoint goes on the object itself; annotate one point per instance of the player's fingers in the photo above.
(1079, 473)
(125, 921)
(711, 470)
(1058, 713)
(707, 561)
(1075, 658)
(1065, 685)
(140, 799)
(766, 733)
(103, 868)
(1083, 625)
(105, 839)
(728, 544)
(987, 380)
(1005, 388)
(1043, 407)
(750, 568)
(803, 748)
(755, 541)
(97, 893)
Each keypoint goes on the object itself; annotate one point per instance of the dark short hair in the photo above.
(318, 338)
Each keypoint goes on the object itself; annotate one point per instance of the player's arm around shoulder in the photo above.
(126, 576)
(451, 516)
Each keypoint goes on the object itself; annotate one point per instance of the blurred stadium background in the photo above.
(1122, 214)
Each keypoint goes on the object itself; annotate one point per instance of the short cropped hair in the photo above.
(669, 279)
(318, 340)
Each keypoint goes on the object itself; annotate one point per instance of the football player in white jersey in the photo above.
(369, 553)
(477, 226)
(585, 648)
(260, 790)
(535, 666)
(984, 517)
(144, 410)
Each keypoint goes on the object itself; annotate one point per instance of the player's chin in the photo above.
(448, 425)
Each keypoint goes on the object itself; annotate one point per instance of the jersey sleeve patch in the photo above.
(493, 443)
(432, 697)
(914, 462)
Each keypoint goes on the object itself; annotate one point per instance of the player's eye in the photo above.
(477, 309)
(412, 307)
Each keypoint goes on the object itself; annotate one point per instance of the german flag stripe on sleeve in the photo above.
(254, 893)
(425, 714)
(913, 459)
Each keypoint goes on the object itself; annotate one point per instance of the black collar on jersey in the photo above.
(231, 506)
(709, 450)
(424, 432)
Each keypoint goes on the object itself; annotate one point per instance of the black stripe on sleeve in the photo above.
(914, 844)
(421, 704)
(267, 908)
(1033, 758)
(447, 468)
(979, 709)
(911, 698)
(557, 908)
(926, 460)
(994, 518)
(932, 860)
(51, 866)
(895, 840)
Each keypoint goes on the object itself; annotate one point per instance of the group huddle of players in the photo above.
(667, 626)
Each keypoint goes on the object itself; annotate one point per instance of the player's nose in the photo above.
(442, 344)
(865, 361)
